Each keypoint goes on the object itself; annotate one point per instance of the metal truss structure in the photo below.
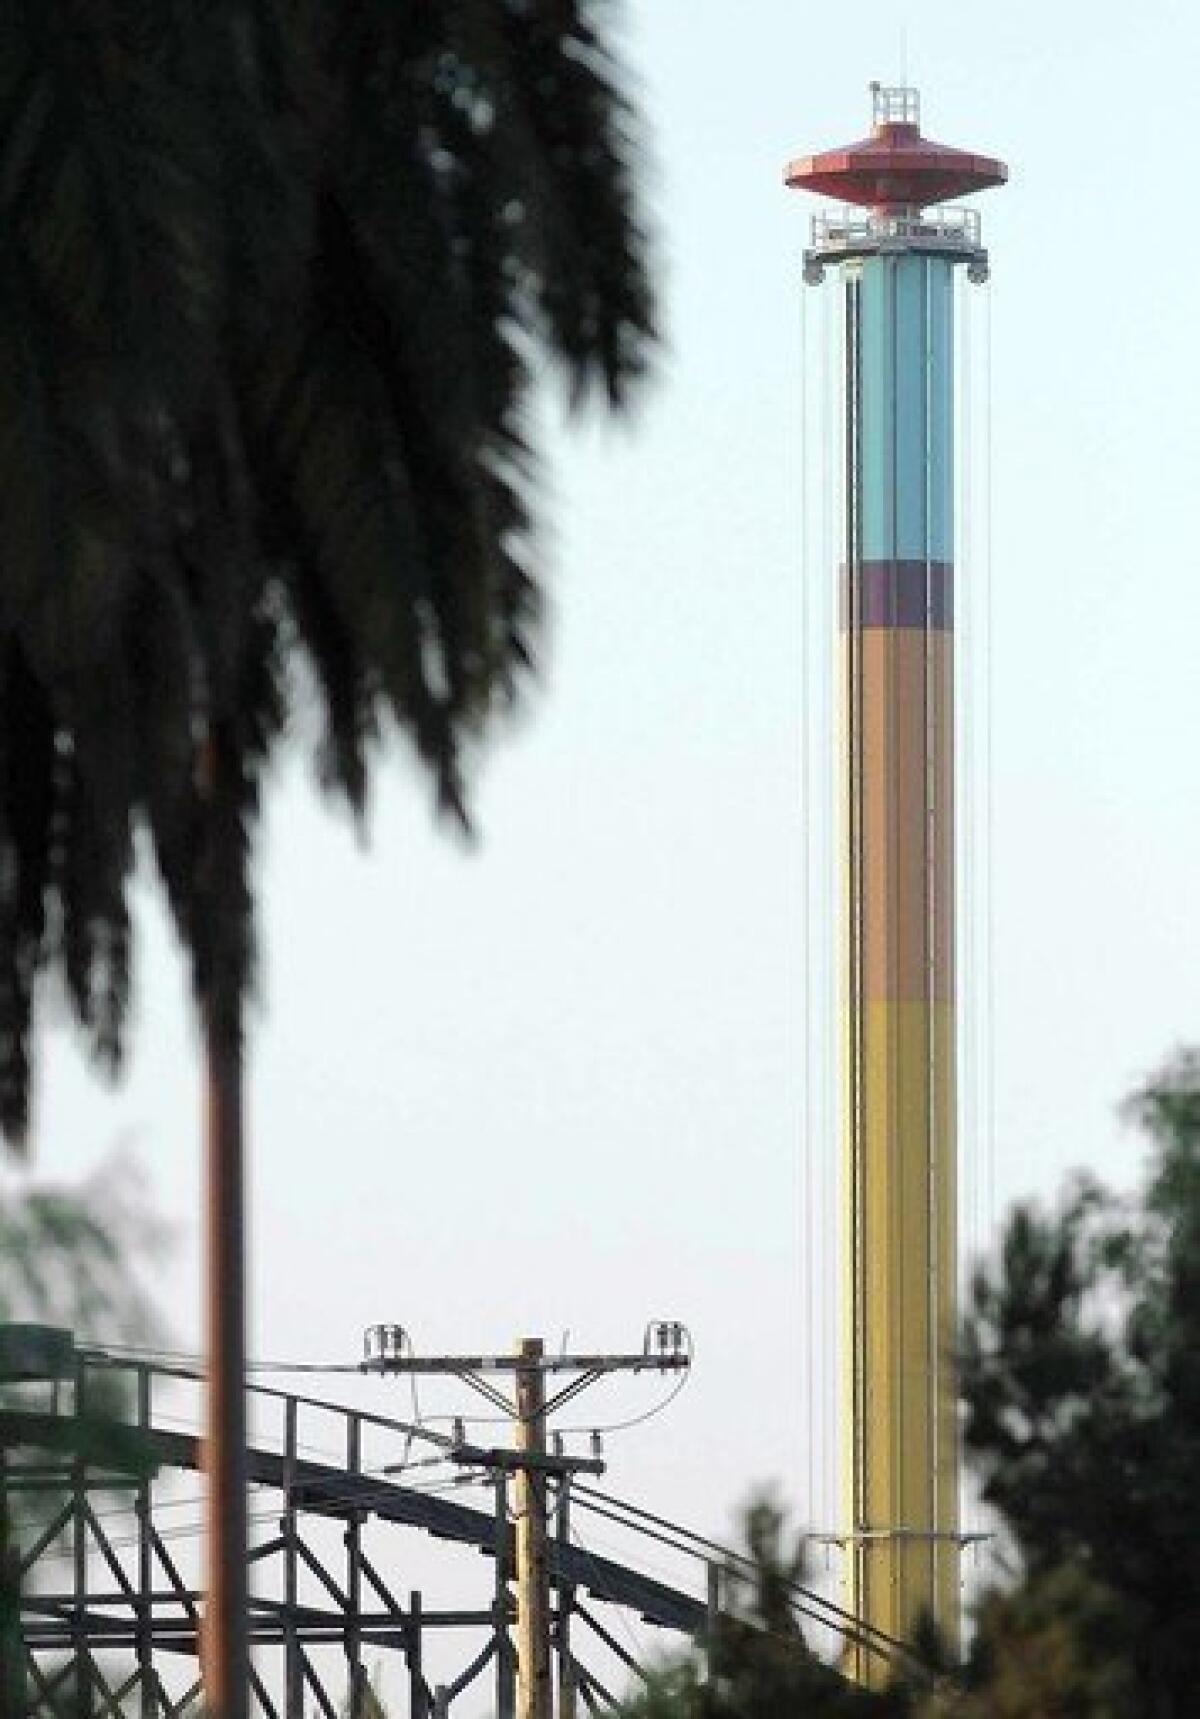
(96, 1535)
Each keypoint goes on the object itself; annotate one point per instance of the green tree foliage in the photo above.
(370, 1702)
(77, 1258)
(1081, 1379)
(1055, 1646)
(1080, 1375)
(759, 1665)
(277, 281)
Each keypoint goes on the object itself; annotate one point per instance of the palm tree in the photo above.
(276, 281)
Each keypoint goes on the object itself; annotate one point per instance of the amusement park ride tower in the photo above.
(895, 258)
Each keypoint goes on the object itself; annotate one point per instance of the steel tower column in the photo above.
(896, 265)
(900, 1246)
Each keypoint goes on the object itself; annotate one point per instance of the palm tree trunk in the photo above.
(226, 1643)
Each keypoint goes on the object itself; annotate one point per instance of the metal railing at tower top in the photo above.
(849, 225)
(895, 104)
(842, 234)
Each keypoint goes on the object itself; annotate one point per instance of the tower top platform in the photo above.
(895, 170)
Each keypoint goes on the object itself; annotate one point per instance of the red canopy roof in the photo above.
(895, 168)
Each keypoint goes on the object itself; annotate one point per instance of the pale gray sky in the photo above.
(554, 1083)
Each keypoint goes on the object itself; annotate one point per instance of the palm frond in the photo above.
(275, 286)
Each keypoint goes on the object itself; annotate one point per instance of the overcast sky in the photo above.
(554, 1083)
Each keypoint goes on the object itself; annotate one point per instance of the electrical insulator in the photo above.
(383, 1344)
(665, 1338)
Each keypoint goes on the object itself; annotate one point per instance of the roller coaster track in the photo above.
(123, 1632)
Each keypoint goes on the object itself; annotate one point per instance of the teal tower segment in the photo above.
(906, 406)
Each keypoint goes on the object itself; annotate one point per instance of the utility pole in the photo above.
(666, 1349)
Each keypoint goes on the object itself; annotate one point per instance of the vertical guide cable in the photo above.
(966, 767)
(989, 905)
(930, 832)
(886, 693)
(855, 882)
(808, 838)
(899, 1385)
(829, 883)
